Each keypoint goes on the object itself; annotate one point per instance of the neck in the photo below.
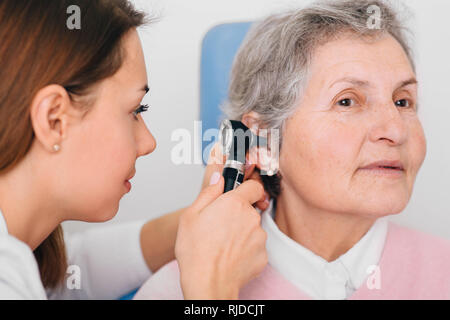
(328, 234)
(25, 205)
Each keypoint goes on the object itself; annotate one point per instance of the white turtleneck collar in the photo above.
(314, 275)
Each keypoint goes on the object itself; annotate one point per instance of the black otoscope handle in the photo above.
(236, 139)
(233, 178)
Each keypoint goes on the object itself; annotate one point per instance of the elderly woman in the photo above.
(344, 96)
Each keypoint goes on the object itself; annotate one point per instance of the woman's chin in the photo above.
(106, 218)
(102, 215)
(377, 208)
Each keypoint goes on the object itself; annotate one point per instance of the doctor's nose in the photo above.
(146, 142)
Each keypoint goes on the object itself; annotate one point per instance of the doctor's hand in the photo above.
(220, 244)
(216, 163)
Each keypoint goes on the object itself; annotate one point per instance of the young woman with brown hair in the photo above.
(70, 133)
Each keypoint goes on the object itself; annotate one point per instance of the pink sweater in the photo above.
(413, 265)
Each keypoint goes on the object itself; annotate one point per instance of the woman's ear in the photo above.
(48, 113)
(265, 157)
(251, 120)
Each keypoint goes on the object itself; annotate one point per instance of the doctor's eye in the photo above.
(404, 103)
(142, 108)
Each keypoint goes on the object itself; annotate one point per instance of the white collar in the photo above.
(314, 275)
(3, 227)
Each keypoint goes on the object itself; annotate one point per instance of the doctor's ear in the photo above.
(49, 116)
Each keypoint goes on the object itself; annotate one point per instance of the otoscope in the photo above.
(236, 139)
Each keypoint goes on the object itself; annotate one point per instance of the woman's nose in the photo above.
(146, 142)
(389, 125)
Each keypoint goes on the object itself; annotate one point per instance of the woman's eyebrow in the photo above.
(406, 83)
(364, 83)
(354, 81)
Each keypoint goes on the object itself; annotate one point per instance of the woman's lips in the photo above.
(384, 171)
(127, 182)
(385, 168)
(127, 185)
(394, 164)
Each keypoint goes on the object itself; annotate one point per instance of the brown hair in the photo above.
(37, 49)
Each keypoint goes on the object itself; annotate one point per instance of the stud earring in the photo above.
(56, 147)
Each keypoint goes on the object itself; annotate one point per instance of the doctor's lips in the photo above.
(127, 182)
(385, 166)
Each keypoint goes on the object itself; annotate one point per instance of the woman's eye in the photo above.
(402, 103)
(142, 108)
(345, 102)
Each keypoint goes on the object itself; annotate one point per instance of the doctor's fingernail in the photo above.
(214, 178)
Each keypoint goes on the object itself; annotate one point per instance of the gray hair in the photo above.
(269, 72)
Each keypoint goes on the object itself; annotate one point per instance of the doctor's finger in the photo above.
(215, 163)
(250, 190)
(208, 194)
(251, 173)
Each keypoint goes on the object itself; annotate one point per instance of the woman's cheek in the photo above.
(335, 146)
(417, 148)
(420, 140)
(311, 154)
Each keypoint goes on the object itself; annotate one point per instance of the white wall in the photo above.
(172, 50)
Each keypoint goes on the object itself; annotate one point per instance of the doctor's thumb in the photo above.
(209, 193)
